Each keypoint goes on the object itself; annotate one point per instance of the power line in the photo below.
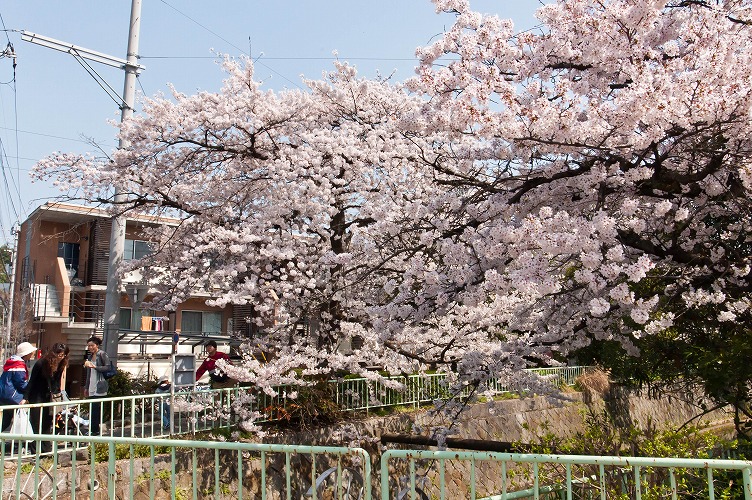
(138, 79)
(242, 51)
(202, 26)
(5, 30)
(111, 93)
(282, 58)
(15, 135)
(24, 159)
(41, 134)
(9, 198)
(9, 52)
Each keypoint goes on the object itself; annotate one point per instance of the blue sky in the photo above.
(54, 105)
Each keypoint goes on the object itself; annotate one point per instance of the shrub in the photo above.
(602, 436)
(314, 404)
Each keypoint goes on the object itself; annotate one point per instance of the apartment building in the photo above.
(62, 266)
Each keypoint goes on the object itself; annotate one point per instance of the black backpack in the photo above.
(218, 375)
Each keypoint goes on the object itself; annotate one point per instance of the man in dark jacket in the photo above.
(14, 380)
(95, 385)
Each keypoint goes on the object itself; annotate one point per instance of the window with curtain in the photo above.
(125, 318)
(191, 322)
(211, 322)
(201, 322)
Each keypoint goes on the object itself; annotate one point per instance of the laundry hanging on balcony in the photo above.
(159, 323)
(154, 323)
(146, 323)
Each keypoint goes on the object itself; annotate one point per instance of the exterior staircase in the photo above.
(47, 304)
(78, 334)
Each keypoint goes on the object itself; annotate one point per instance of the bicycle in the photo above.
(347, 486)
(38, 483)
(406, 493)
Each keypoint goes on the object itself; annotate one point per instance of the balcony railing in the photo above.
(45, 302)
(87, 307)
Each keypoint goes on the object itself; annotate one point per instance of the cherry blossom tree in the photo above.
(608, 190)
(525, 195)
(282, 198)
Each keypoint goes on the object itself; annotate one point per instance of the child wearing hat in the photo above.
(14, 380)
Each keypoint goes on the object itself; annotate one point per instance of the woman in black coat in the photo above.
(43, 382)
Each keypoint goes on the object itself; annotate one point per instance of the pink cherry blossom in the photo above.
(521, 195)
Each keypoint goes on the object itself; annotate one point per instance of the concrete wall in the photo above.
(518, 420)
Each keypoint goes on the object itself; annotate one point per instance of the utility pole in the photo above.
(117, 236)
(9, 327)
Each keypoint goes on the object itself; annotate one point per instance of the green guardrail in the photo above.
(187, 412)
(128, 468)
(501, 476)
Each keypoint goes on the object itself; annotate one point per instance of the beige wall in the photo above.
(46, 237)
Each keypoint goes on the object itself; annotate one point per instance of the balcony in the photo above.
(148, 344)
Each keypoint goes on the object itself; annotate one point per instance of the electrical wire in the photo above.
(111, 93)
(25, 159)
(46, 135)
(242, 51)
(202, 26)
(5, 30)
(15, 135)
(9, 201)
(9, 52)
(138, 79)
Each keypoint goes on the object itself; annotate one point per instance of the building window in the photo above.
(69, 252)
(136, 249)
(125, 318)
(130, 319)
(201, 322)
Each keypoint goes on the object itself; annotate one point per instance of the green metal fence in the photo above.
(186, 412)
(360, 394)
(129, 468)
(498, 476)
(132, 468)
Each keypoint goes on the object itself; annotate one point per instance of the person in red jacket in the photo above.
(14, 380)
(218, 378)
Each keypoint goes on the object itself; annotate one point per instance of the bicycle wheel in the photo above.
(407, 495)
(329, 486)
(33, 482)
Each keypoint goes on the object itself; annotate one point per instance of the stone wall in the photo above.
(519, 420)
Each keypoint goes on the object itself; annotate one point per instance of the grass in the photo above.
(123, 451)
(28, 467)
